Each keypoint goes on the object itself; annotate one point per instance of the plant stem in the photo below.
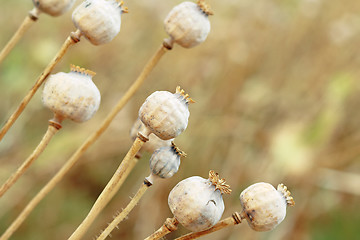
(124, 213)
(53, 128)
(25, 25)
(88, 142)
(230, 221)
(71, 40)
(169, 226)
(111, 188)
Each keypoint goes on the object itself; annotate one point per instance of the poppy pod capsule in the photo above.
(264, 206)
(99, 20)
(188, 24)
(166, 114)
(165, 161)
(153, 143)
(53, 7)
(72, 95)
(197, 202)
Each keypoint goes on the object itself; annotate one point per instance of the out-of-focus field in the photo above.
(277, 100)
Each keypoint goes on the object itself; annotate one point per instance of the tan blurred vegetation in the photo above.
(277, 100)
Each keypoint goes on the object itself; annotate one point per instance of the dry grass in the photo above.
(276, 101)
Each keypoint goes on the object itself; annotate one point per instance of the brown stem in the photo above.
(88, 142)
(54, 126)
(124, 213)
(169, 226)
(111, 188)
(71, 40)
(25, 25)
(230, 221)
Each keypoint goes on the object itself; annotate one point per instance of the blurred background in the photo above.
(277, 100)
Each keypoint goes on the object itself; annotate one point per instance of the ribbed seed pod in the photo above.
(98, 20)
(53, 7)
(264, 206)
(188, 24)
(153, 143)
(197, 202)
(166, 114)
(72, 95)
(165, 161)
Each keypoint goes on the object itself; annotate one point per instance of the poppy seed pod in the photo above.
(53, 7)
(98, 20)
(188, 24)
(165, 161)
(153, 143)
(166, 114)
(264, 206)
(72, 95)
(197, 202)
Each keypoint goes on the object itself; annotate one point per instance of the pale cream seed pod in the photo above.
(72, 95)
(166, 114)
(153, 143)
(99, 20)
(197, 202)
(188, 24)
(165, 161)
(264, 206)
(53, 7)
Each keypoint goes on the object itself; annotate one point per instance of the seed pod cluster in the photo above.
(166, 114)
(264, 206)
(72, 95)
(188, 24)
(153, 143)
(197, 202)
(98, 20)
(53, 7)
(165, 161)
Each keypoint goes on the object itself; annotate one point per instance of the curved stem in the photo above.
(25, 25)
(110, 189)
(230, 221)
(68, 42)
(169, 226)
(51, 131)
(124, 213)
(88, 142)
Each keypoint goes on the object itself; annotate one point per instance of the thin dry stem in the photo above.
(169, 226)
(25, 25)
(120, 217)
(51, 131)
(110, 189)
(230, 221)
(88, 142)
(68, 42)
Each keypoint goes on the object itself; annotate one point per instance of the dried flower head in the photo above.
(166, 114)
(264, 206)
(53, 7)
(188, 24)
(72, 95)
(196, 202)
(99, 20)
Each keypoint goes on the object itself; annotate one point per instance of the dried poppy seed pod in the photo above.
(98, 20)
(165, 161)
(166, 114)
(188, 24)
(53, 7)
(153, 143)
(72, 95)
(197, 202)
(264, 206)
